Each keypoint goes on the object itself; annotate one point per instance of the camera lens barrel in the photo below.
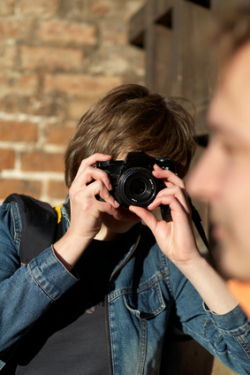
(137, 187)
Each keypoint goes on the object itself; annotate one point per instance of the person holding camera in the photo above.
(99, 298)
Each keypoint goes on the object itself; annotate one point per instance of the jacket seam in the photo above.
(234, 332)
(16, 219)
(138, 290)
(143, 346)
(168, 279)
(39, 284)
(243, 345)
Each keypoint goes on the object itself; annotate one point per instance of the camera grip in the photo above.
(166, 213)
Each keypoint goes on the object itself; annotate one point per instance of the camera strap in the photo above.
(166, 215)
(197, 222)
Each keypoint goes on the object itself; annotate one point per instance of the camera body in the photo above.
(132, 180)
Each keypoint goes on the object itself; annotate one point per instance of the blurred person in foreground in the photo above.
(98, 299)
(222, 176)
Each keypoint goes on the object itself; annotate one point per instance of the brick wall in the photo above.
(56, 58)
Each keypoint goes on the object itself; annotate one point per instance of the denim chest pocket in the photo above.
(146, 302)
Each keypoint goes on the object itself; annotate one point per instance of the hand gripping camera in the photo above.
(132, 180)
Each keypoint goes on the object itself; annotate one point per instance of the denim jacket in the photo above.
(143, 288)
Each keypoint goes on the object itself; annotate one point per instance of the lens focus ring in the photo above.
(137, 187)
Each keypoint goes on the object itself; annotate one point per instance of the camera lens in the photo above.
(137, 187)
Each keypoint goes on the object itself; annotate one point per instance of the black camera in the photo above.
(132, 180)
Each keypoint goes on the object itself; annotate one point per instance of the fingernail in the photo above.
(116, 204)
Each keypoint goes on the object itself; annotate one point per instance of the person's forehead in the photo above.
(229, 110)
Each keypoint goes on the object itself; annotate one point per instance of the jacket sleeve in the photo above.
(25, 292)
(224, 336)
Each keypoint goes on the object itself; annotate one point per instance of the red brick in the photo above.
(9, 186)
(15, 131)
(12, 29)
(25, 84)
(43, 8)
(50, 58)
(82, 85)
(14, 103)
(100, 8)
(17, 84)
(7, 7)
(116, 34)
(7, 56)
(50, 106)
(59, 134)
(57, 190)
(9, 104)
(78, 106)
(65, 32)
(42, 162)
(7, 159)
(114, 10)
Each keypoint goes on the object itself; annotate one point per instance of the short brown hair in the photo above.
(130, 118)
(232, 31)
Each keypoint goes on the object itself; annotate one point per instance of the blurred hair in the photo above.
(232, 31)
(130, 118)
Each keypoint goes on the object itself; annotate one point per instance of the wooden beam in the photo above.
(161, 8)
(136, 32)
(160, 13)
(203, 3)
